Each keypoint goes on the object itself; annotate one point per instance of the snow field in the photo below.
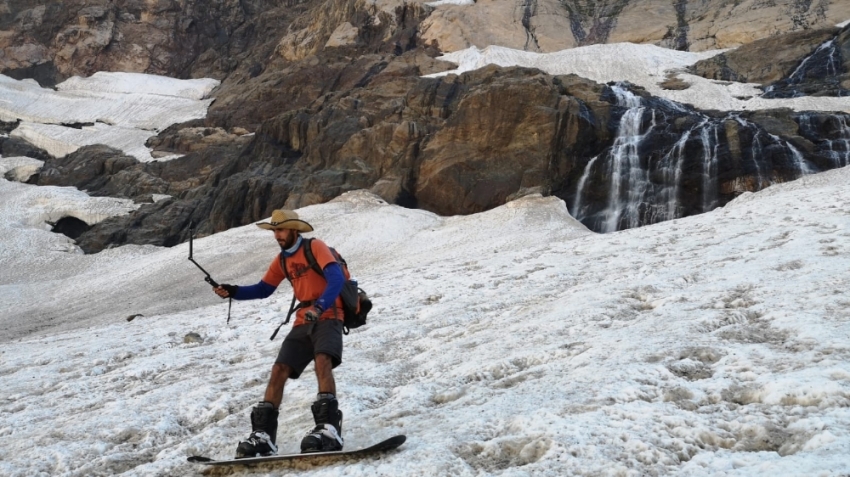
(512, 342)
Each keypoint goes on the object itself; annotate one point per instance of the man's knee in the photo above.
(280, 372)
(324, 363)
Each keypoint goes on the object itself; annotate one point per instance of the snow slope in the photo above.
(511, 342)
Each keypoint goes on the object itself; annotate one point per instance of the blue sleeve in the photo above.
(335, 279)
(253, 292)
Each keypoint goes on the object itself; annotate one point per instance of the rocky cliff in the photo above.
(547, 25)
(335, 97)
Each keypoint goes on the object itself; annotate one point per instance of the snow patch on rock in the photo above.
(642, 65)
(19, 169)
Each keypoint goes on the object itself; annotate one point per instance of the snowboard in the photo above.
(387, 445)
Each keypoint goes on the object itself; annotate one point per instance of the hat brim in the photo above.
(292, 224)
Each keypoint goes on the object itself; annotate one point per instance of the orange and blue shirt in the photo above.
(308, 286)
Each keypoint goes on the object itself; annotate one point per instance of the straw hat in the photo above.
(286, 219)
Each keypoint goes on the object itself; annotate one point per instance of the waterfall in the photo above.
(817, 74)
(797, 158)
(801, 162)
(756, 152)
(799, 73)
(710, 141)
(830, 133)
(671, 169)
(582, 182)
(839, 149)
(627, 175)
(667, 161)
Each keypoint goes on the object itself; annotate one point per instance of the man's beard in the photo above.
(289, 241)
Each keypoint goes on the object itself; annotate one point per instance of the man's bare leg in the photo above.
(325, 374)
(274, 390)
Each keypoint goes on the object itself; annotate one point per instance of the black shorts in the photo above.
(305, 341)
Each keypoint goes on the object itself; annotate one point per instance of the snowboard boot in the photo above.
(327, 435)
(263, 435)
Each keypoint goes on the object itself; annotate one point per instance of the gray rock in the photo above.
(193, 338)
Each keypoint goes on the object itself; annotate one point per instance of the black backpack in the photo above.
(355, 302)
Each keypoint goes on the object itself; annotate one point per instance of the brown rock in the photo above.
(764, 61)
(497, 142)
(548, 25)
(673, 82)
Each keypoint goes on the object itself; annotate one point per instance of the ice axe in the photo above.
(208, 278)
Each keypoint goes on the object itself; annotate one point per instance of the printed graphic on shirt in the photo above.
(306, 283)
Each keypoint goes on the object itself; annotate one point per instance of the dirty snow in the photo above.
(19, 168)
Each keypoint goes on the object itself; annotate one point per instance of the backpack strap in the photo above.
(292, 309)
(311, 260)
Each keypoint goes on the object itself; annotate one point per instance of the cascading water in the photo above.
(835, 147)
(827, 49)
(756, 152)
(578, 211)
(839, 149)
(799, 161)
(819, 73)
(627, 175)
(710, 141)
(669, 161)
(671, 170)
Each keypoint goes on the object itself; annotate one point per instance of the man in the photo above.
(316, 334)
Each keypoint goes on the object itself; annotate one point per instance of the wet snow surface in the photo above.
(512, 342)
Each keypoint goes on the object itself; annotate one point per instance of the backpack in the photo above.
(356, 304)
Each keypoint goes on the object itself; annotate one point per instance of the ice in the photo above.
(60, 141)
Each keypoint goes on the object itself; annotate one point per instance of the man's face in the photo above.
(285, 237)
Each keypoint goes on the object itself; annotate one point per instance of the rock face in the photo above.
(546, 25)
(51, 40)
(463, 144)
(808, 63)
(668, 162)
(396, 136)
(323, 97)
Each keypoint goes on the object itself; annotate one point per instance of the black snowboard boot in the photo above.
(327, 435)
(263, 435)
